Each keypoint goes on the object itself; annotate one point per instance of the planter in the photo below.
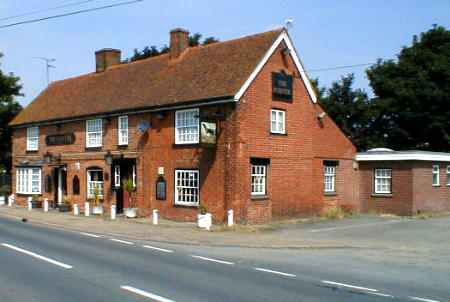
(36, 204)
(97, 210)
(204, 221)
(64, 207)
(2, 200)
(131, 212)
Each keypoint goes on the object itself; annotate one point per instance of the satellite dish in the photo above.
(143, 126)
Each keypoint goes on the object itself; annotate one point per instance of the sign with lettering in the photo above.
(60, 139)
(282, 86)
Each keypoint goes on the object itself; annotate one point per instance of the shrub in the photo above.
(202, 209)
(333, 213)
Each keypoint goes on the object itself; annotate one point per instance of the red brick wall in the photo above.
(429, 198)
(400, 202)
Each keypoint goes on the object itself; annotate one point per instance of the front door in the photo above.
(123, 169)
(60, 177)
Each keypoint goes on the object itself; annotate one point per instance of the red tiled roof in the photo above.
(202, 72)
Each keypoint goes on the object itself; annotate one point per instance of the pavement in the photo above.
(389, 259)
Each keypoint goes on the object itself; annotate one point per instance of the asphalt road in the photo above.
(44, 264)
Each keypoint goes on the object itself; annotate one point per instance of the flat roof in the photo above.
(402, 155)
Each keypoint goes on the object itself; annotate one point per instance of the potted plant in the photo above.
(98, 202)
(128, 186)
(204, 219)
(65, 206)
(35, 202)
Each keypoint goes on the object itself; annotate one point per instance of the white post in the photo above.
(46, 205)
(76, 209)
(30, 206)
(10, 200)
(208, 221)
(2, 200)
(230, 218)
(86, 209)
(113, 212)
(155, 216)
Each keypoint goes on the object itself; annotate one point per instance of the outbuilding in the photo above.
(404, 182)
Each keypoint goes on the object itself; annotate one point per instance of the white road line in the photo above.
(380, 294)
(274, 272)
(60, 264)
(90, 235)
(354, 226)
(212, 260)
(122, 241)
(157, 248)
(423, 299)
(349, 286)
(145, 294)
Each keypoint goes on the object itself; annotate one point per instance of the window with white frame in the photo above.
(259, 178)
(383, 181)
(187, 126)
(187, 187)
(329, 179)
(33, 139)
(123, 130)
(117, 176)
(436, 176)
(94, 133)
(448, 175)
(28, 180)
(277, 121)
(94, 182)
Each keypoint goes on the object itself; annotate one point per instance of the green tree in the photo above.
(9, 107)
(414, 93)
(153, 51)
(351, 109)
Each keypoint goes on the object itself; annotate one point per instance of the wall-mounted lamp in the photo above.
(321, 116)
(286, 51)
(108, 158)
(47, 157)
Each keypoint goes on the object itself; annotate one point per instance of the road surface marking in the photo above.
(145, 294)
(381, 294)
(157, 248)
(349, 286)
(90, 235)
(274, 272)
(354, 226)
(63, 265)
(423, 299)
(122, 241)
(212, 260)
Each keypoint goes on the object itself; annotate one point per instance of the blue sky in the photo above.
(326, 33)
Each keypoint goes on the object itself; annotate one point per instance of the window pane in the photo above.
(187, 126)
(187, 187)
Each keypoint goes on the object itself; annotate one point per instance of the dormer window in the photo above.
(33, 139)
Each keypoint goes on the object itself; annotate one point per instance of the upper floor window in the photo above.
(383, 181)
(448, 175)
(435, 172)
(32, 139)
(187, 126)
(187, 187)
(123, 130)
(329, 179)
(277, 121)
(28, 180)
(94, 133)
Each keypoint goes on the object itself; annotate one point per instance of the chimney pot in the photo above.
(106, 57)
(179, 42)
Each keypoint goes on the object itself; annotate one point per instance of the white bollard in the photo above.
(10, 200)
(46, 205)
(155, 216)
(230, 218)
(209, 221)
(2, 200)
(76, 209)
(30, 205)
(113, 212)
(86, 209)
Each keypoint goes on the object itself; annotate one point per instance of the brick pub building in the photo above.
(230, 125)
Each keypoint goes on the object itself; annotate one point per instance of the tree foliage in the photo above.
(153, 51)
(414, 93)
(9, 107)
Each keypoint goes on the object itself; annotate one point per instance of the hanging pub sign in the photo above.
(208, 132)
(282, 86)
(161, 188)
(60, 139)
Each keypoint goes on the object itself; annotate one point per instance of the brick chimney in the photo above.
(105, 58)
(179, 42)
